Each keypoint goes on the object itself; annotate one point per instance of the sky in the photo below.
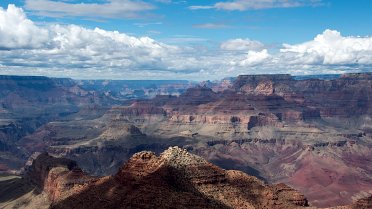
(184, 39)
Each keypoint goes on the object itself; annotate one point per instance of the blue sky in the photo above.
(198, 29)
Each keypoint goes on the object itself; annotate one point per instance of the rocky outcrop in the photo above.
(40, 166)
(176, 177)
(264, 120)
(255, 80)
(58, 178)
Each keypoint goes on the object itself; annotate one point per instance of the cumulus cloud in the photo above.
(71, 46)
(78, 52)
(331, 48)
(242, 5)
(251, 59)
(17, 31)
(109, 9)
(100, 47)
(255, 58)
(242, 44)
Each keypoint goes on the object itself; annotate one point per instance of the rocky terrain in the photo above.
(175, 178)
(314, 135)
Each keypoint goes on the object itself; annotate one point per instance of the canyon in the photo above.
(312, 134)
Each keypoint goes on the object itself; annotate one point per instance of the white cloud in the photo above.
(78, 52)
(242, 5)
(242, 44)
(109, 9)
(255, 58)
(331, 48)
(17, 31)
(70, 46)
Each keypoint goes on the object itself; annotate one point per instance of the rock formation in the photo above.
(176, 178)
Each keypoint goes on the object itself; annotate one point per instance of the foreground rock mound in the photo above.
(189, 177)
(175, 179)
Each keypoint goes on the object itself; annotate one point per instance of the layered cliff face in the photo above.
(272, 101)
(346, 96)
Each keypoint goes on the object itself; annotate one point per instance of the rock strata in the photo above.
(174, 178)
